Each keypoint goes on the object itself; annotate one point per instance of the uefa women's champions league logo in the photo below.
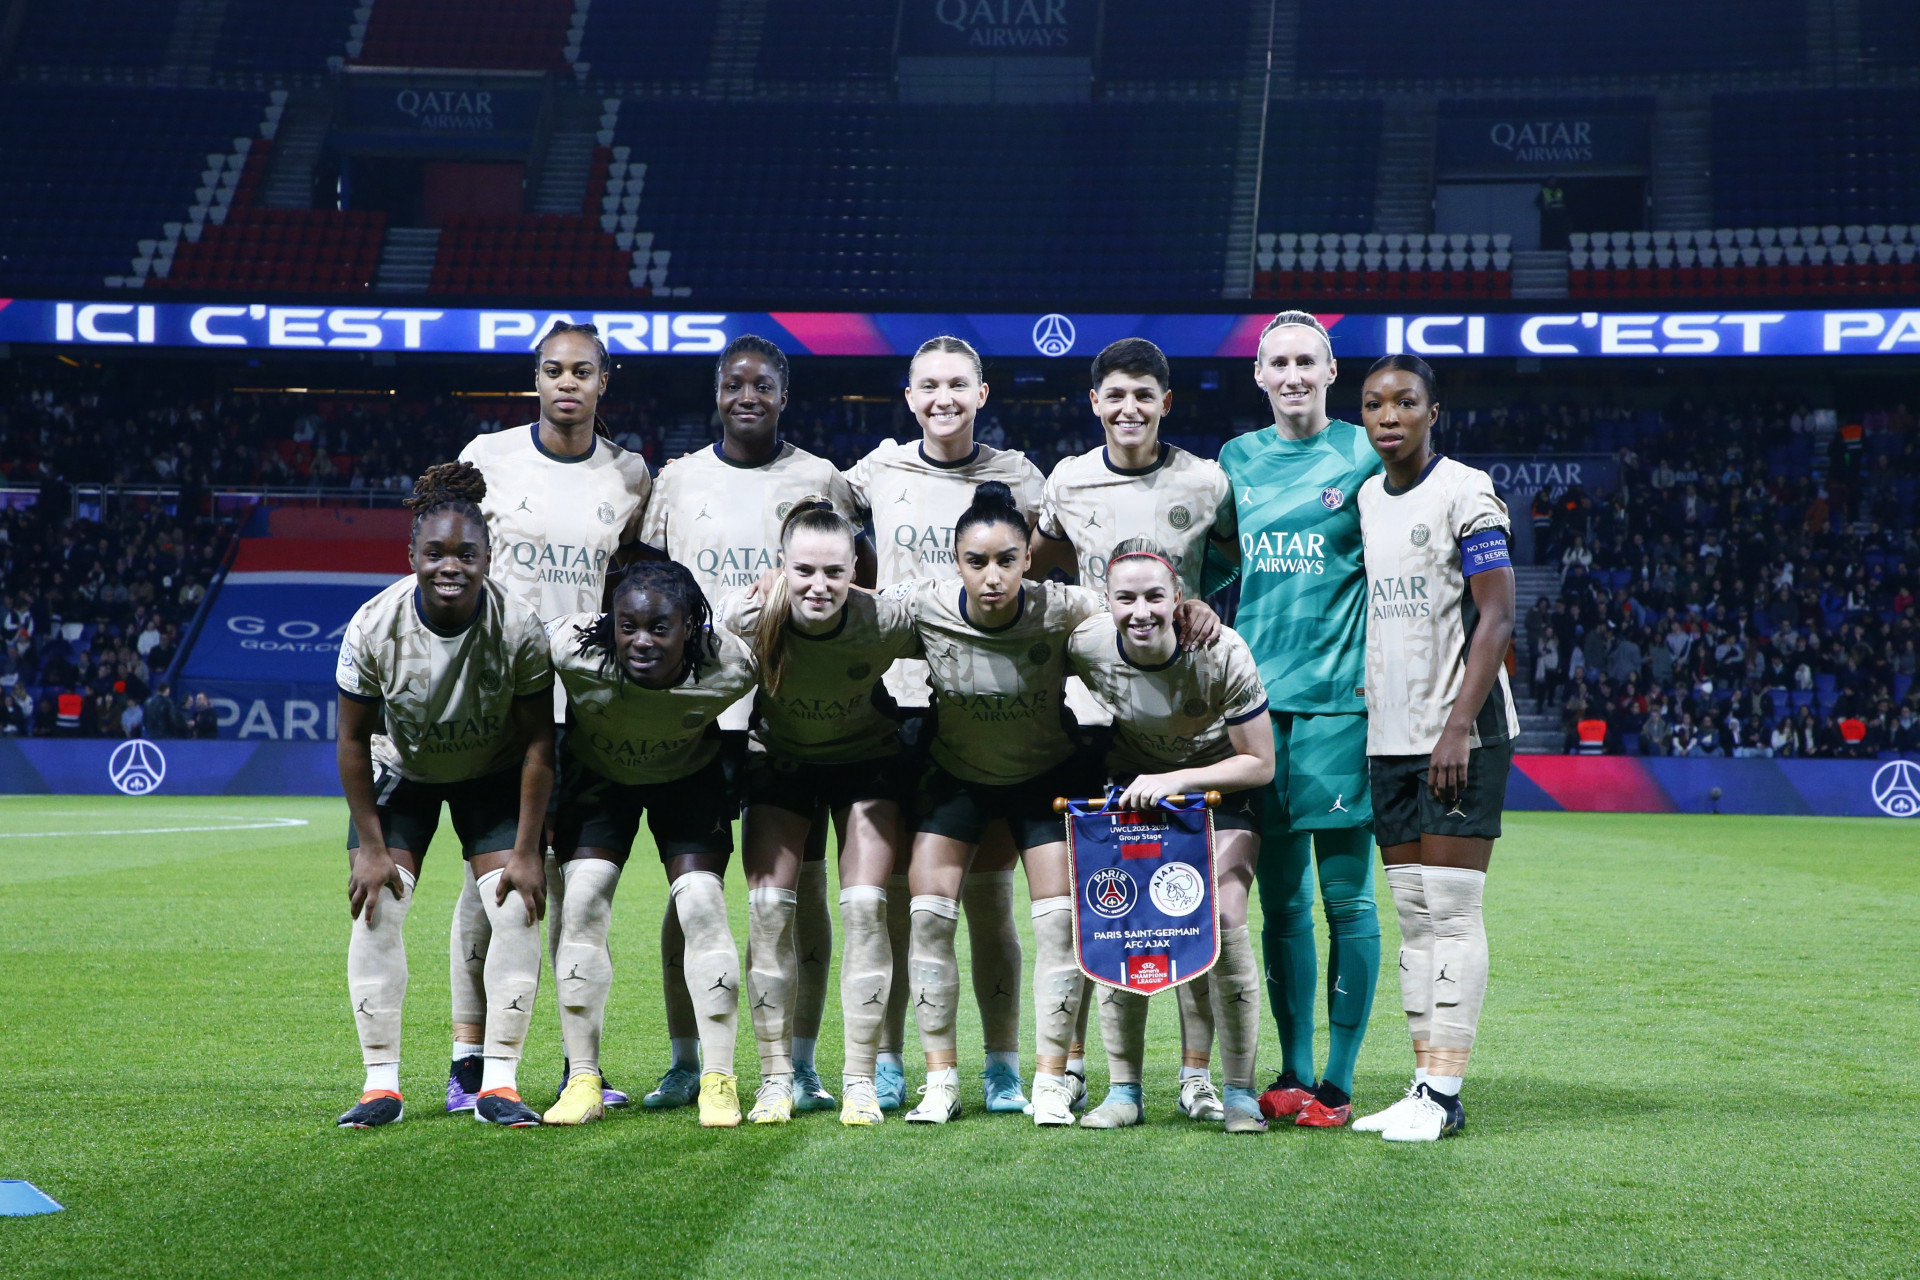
(137, 767)
(1896, 788)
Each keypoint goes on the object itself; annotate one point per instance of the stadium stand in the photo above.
(1322, 165)
(1356, 266)
(1730, 261)
(301, 250)
(1889, 33)
(650, 40)
(829, 40)
(530, 254)
(1143, 40)
(264, 35)
(506, 35)
(121, 33)
(1827, 156)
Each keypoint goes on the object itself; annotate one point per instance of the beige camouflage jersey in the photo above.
(722, 519)
(1173, 716)
(630, 734)
(999, 691)
(448, 698)
(1420, 612)
(1181, 503)
(913, 504)
(824, 712)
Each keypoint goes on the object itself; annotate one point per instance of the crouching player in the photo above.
(1440, 726)
(645, 684)
(460, 673)
(1184, 722)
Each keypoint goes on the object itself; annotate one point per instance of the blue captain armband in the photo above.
(1484, 550)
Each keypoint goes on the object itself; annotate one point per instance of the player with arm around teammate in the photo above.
(1185, 722)
(1441, 724)
(826, 750)
(563, 508)
(645, 683)
(914, 493)
(445, 698)
(1137, 486)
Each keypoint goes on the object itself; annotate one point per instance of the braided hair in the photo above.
(448, 486)
(673, 581)
(602, 359)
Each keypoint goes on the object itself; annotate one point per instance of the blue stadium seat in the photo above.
(650, 39)
(267, 35)
(1856, 157)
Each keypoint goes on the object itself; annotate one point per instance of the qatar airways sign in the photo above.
(1043, 334)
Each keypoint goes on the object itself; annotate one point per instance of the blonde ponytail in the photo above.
(814, 513)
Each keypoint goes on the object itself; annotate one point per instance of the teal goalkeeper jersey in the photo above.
(1303, 585)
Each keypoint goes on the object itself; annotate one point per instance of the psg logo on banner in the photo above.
(1145, 917)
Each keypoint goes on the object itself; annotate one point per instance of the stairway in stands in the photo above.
(1539, 733)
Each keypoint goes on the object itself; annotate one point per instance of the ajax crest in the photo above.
(1896, 788)
(1177, 889)
(137, 767)
(1111, 892)
(1053, 334)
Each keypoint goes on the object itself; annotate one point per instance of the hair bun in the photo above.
(448, 482)
(994, 493)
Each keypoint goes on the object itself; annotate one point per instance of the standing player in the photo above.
(1303, 613)
(453, 674)
(563, 507)
(645, 682)
(1134, 486)
(1440, 726)
(914, 493)
(1184, 722)
(826, 751)
(718, 511)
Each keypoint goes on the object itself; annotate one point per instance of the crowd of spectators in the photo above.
(1747, 590)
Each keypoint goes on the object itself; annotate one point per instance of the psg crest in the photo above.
(1145, 918)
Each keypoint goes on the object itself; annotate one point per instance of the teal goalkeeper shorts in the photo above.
(1320, 772)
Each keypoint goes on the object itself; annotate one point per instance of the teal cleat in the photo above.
(678, 1088)
(890, 1086)
(1004, 1093)
(808, 1093)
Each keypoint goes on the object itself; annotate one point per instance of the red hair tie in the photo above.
(1150, 556)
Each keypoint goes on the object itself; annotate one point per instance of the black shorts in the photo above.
(1237, 810)
(691, 815)
(1404, 810)
(960, 810)
(486, 811)
(816, 789)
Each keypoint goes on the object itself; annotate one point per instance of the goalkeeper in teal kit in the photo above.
(1303, 612)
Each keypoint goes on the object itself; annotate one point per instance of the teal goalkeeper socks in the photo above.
(1345, 861)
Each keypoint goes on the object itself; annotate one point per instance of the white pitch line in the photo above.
(270, 824)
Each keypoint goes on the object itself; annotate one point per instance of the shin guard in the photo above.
(377, 974)
(1416, 947)
(583, 966)
(712, 965)
(934, 970)
(866, 974)
(772, 962)
(1056, 979)
(1234, 992)
(513, 969)
(467, 954)
(1459, 954)
(813, 945)
(993, 942)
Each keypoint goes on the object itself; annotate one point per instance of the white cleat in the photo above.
(1427, 1121)
(1391, 1117)
(938, 1104)
(1199, 1100)
(1076, 1087)
(1053, 1101)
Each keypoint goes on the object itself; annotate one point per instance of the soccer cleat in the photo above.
(678, 1088)
(503, 1107)
(1052, 1101)
(1121, 1109)
(773, 1104)
(719, 1101)
(375, 1108)
(581, 1102)
(1004, 1093)
(1392, 1115)
(1330, 1109)
(890, 1087)
(1242, 1112)
(938, 1104)
(609, 1096)
(1077, 1088)
(1432, 1117)
(861, 1107)
(463, 1083)
(1286, 1096)
(808, 1093)
(1199, 1100)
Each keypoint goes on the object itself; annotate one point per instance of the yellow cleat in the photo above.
(773, 1104)
(719, 1101)
(579, 1102)
(862, 1105)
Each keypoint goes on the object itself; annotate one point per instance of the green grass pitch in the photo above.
(1697, 1059)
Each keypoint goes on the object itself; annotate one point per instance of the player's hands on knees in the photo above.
(371, 870)
(1447, 770)
(1148, 790)
(1195, 622)
(526, 871)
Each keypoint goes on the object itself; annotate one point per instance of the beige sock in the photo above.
(935, 973)
(681, 1022)
(993, 942)
(712, 965)
(582, 965)
(813, 945)
(513, 969)
(1409, 886)
(1123, 1029)
(1234, 987)
(866, 974)
(1196, 1020)
(1056, 981)
(377, 974)
(556, 905)
(771, 964)
(467, 954)
(893, 1028)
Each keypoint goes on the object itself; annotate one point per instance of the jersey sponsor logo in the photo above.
(461, 734)
(1053, 334)
(999, 706)
(1332, 496)
(734, 566)
(821, 708)
(559, 562)
(605, 512)
(1896, 788)
(635, 751)
(1419, 534)
(137, 767)
(1400, 597)
(1179, 517)
(1279, 551)
(933, 544)
(1176, 889)
(1111, 892)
